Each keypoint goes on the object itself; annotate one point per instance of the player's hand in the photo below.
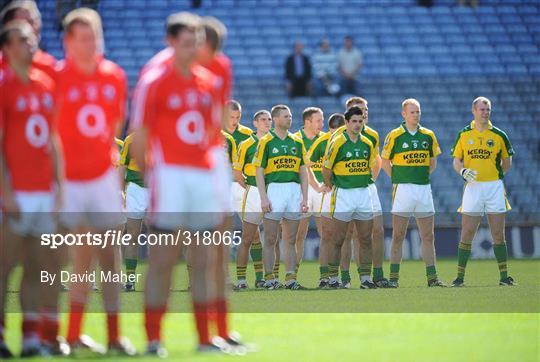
(468, 174)
(11, 207)
(266, 206)
(326, 189)
(304, 206)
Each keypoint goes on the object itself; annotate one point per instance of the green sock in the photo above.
(464, 251)
(256, 255)
(276, 269)
(241, 272)
(269, 276)
(333, 270)
(378, 273)
(323, 270)
(502, 256)
(131, 266)
(394, 272)
(290, 276)
(345, 276)
(364, 270)
(431, 273)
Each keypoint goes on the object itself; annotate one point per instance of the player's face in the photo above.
(185, 46)
(284, 120)
(316, 122)
(411, 114)
(81, 43)
(233, 118)
(482, 112)
(21, 47)
(23, 14)
(263, 123)
(355, 124)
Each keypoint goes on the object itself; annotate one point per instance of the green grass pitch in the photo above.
(482, 322)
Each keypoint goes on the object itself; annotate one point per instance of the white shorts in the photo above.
(315, 200)
(251, 206)
(412, 200)
(136, 201)
(326, 201)
(36, 213)
(375, 201)
(95, 203)
(349, 204)
(484, 197)
(237, 193)
(286, 199)
(222, 175)
(183, 197)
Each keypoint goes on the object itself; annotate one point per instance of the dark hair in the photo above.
(260, 113)
(179, 21)
(19, 26)
(276, 110)
(336, 120)
(9, 15)
(354, 100)
(309, 111)
(353, 111)
(215, 32)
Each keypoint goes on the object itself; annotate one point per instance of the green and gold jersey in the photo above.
(315, 154)
(230, 146)
(350, 161)
(367, 131)
(244, 160)
(240, 134)
(280, 159)
(483, 151)
(307, 142)
(133, 172)
(410, 154)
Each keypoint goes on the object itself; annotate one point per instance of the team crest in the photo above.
(174, 101)
(405, 145)
(293, 150)
(425, 145)
(490, 143)
(470, 141)
(366, 154)
(348, 154)
(275, 150)
(21, 104)
(109, 92)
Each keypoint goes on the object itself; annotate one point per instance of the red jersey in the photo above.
(26, 123)
(91, 106)
(182, 115)
(41, 60)
(222, 68)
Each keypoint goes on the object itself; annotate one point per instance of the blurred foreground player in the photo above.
(31, 189)
(91, 93)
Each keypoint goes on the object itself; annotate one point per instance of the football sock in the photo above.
(49, 326)
(269, 276)
(112, 327)
(256, 255)
(431, 273)
(290, 276)
(464, 251)
(131, 266)
(333, 270)
(394, 272)
(276, 270)
(152, 322)
(378, 273)
(76, 314)
(323, 270)
(241, 272)
(501, 255)
(30, 328)
(345, 276)
(364, 271)
(221, 318)
(200, 311)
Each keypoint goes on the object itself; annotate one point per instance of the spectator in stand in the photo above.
(326, 70)
(349, 65)
(298, 72)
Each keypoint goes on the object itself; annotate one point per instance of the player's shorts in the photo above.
(222, 174)
(36, 213)
(237, 193)
(286, 199)
(412, 200)
(375, 201)
(484, 197)
(315, 200)
(136, 201)
(95, 203)
(326, 201)
(349, 204)
(251, 206)
(183, 197)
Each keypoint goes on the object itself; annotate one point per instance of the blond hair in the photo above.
(408, 101)
(481, 99)
(88, 17)
(355, 100)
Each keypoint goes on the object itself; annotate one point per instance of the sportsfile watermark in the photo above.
(120, 238)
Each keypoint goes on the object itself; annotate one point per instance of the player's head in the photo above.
(411, 111)
(215, 33)
(83, 34)
(348, 42)
(26, 10)
(233, 113)
(354, 119)
(185, 35)
(481, 109)
(313, 119)
(282, 117)
(335, 121)
(298, 47)
(18, 42)
(359, 102)
(262, 121)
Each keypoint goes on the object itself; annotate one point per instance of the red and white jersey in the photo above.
(182, 115)
(91, 106)
(26, 123)
(41, 60)
(221, 66)
(164, 57)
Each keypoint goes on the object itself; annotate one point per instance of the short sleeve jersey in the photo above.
(230, 146)
(244, 160)
(367, 131)
(26, 124)
(280, 159)
(483, 151)
(241, 133)
(90, 108)
(133, 172)
(410, 154)
(221, 67)
(350, 161)
(182, 115)
(315, 154)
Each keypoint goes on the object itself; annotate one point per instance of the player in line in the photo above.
(31, 189)
(282, 180)
(347, 169)
(409, 157)
(313, 119)
(251, 213)
(482, 156)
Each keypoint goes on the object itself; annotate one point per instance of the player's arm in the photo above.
(327, 177)
(58, 167)
(376, 168)
(506, 163)
(8, 198)
(387, 166)
(467, 174)
(387, 155)
(304, 186)
(138, 147)
(260, 160)
(458, 165)
(239, 177)
(432, 164)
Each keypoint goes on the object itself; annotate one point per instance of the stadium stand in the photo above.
(444, 56)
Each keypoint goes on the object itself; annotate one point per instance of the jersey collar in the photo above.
(407, 130)
(473, 123)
